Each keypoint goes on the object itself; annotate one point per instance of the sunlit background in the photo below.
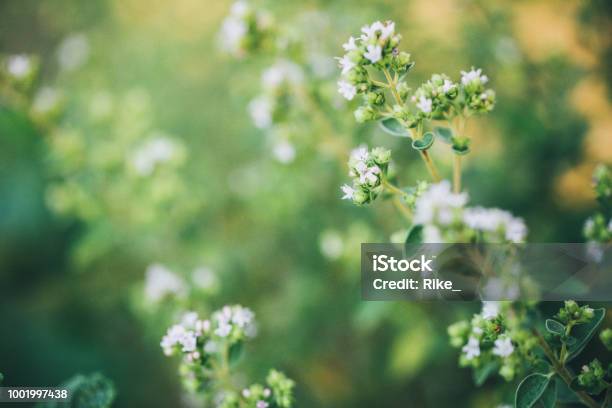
(81, 219)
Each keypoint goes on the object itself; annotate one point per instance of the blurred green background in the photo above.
(277, 236)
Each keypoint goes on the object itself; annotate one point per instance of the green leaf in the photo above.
(555, 327)
(415, 235)
(87, 391)
(461, 151)
(235, 352)
(444, 133)
(482, 373)
(393, 127)
(530, 390)
(564, 393)
(549, 397)
(584, 332)
(461, 145)
(425, 142)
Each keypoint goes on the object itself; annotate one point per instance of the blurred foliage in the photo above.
(87, 391)
(276, 235)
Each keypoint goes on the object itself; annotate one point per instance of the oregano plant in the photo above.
(209, 351)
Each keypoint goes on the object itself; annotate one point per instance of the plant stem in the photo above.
(456, 173)
(562, 371)
(393, 188)
(428, 162)
(402, 208)
(430, 166)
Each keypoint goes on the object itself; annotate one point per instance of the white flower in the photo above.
(448, 86)
(346, 64)
(19, 65)
(424, 104)
(240, 9)
(262, 404)
(490, 310)
(370, 176)
(281, 72)
(494, 220)
(73, 52)
(284, 151)
(472, 348)
(242, 316)
(387, 30)
(246, 393)
(472, 76)
(374, 53)
(260, 110)
(178, 335)
(438, 199)
(349, 192)
(189, 319)
(347, 89)
(159, 149)
(350, 45)
(224, 329)
(267, 392)
(188, 341)
(161, 282)
(233, 30)
(503, 347)
(359, 154)
(369, 31)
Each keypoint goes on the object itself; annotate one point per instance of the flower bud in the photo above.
(381, 155)
(360, 197)
(375, 98)
(364, 114)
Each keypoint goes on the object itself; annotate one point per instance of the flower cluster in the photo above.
(158, 150)
(209, 347)
(598, 228)
(377, 48)
(206, 344)
(19, 70)
(279, 83)
(368, 168)
(445, 218)
(593, 378)
(245, 30)
(571, 314)
(277, 392)
(475, 96)
(161, 282)
(434, 98)
(376, 52)
(491, 339)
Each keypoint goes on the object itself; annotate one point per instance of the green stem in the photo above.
(562, 372)
(456, 174)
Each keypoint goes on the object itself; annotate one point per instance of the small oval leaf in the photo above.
(554, 327)
(393, 127)
(444, 133)
(425, 142)
(530, 390)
